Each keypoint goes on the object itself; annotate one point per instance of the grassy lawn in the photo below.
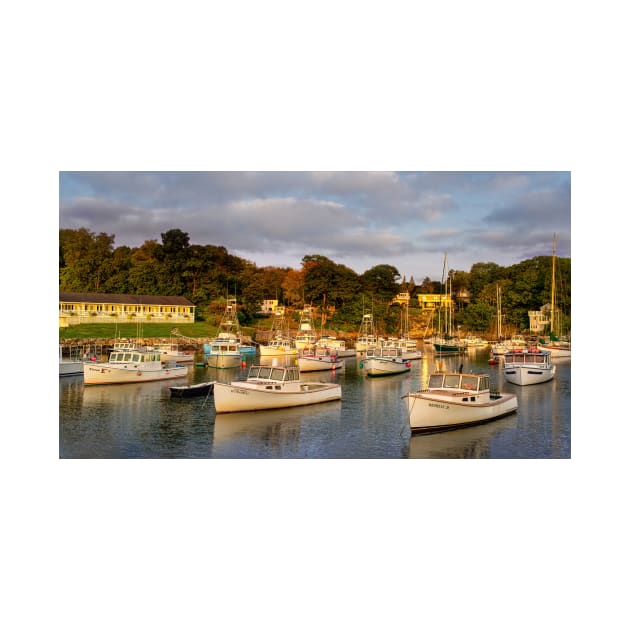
(111, 331)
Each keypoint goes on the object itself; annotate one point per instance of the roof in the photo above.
(122, 298)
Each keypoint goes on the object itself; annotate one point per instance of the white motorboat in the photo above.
(454, 400)
(70, 366)
(408, 347)
(382, 361)
(172, 352)
(528, 366)
(335, 346)
(367, 337)
(558, 348)
(318, 360)
(306, 335)
(224, 351)
(272, 387)
(280, 343)
(131, 366)
(278, 347)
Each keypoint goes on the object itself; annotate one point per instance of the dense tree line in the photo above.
(207, 274)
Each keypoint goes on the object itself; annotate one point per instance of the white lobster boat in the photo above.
(306, 335)
(131, 365)
(382, 361)
(278, 347)
(71, 366)
(319, 360)
(367, 337)
(272, 387)
(454, 400)
(224, 351)
(336, 346)
(529, 366)
(172, 352)
(280, 343)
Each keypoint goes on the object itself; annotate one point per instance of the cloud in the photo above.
(358, 218)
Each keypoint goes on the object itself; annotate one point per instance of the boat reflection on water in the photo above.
(273, 433)
(464, 443)
(129, 394)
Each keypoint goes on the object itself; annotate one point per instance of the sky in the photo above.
(360, 219)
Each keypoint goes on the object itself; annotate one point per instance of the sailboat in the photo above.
(446, 343)
(558, 347)
(501, 346)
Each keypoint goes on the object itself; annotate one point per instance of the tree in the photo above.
(382, 281)
(86, 258)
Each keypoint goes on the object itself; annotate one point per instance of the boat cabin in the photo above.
(455, 380)
(134, 357)
(128, 346)
(528, 356)
(384, 352)
(278, 374)
(222, 348)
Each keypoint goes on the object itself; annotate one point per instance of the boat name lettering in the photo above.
(438, 405)
(239, 391)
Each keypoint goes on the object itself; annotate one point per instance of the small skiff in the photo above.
(189, 391)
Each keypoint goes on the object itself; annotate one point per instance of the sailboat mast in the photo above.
(499, 331)
(553, 285)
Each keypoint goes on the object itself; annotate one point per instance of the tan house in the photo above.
(402, 299)
(92, 308)
(539, 319)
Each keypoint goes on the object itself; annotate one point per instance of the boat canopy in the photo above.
(527, 357)
(133, 357)
(455, 380)
(266, 373)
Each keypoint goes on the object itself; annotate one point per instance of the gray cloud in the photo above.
(358, 218)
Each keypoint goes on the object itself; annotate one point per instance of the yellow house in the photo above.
(434, 300)
(92, 308)
(269, 306)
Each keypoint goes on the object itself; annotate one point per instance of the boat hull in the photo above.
(107, 374)
(233, 397)
(429, 413)
(190, 391)
(70, 368)
(528, 374)
(376, 367)
(223, 361)
(319, 364)
(557, 351)
(277, 351)
(445, 348)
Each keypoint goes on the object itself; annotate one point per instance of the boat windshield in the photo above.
(274, 374)
(436, 380)
(470, 382)
(452, 380)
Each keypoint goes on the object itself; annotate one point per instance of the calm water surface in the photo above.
(143, 421)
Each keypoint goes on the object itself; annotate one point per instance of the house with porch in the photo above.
(92, 308)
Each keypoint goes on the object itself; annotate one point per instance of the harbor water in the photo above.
(143, 421)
